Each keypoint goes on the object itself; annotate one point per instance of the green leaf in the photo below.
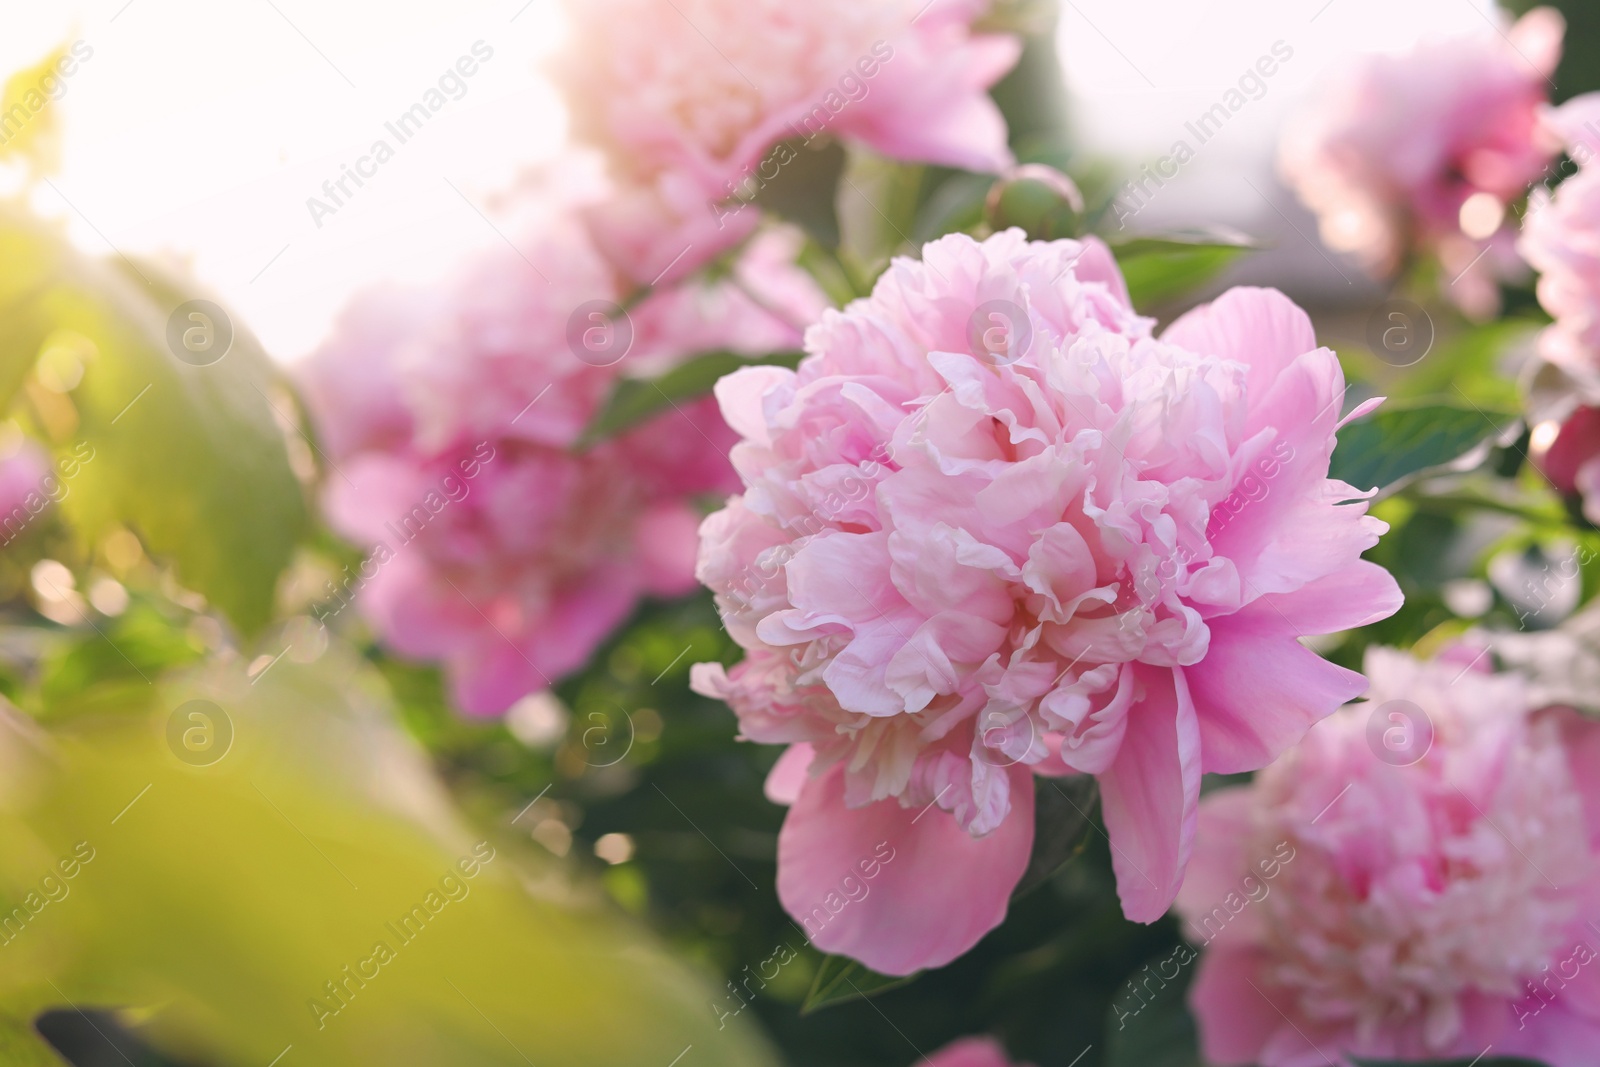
(1161, 267)
(1160, 276)
(803, 190)
(37, 139)
(108, 669)
(236, 894)
(877, 203)
(1029, 96)
(190, 456)
(1063, 817)
(1399, 443)
(21, 1045)
(1176, 241)
(635, 399)
(1149, 1023)
(840, 979)
(838, 281)
(954, 205)
(1465, 366)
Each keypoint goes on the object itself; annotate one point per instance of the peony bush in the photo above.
(870, 602)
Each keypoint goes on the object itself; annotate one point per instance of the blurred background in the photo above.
(620, 849)
(199, 130)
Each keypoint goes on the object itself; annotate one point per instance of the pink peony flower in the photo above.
(28, 485)
(1559, 239)
(354, 374)
(452, 424)
(687, 98)
(1422, 904)
(993, 525)
(972, 1052)
(1569, 457)
(1391, 153)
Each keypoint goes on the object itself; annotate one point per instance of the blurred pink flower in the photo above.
(451, 420)
(687, 98)
(972, 1052)
(1570, 460)
(1561, 240)
(26, 481)
(993, 524)
(1388, 156)
(1426, 907)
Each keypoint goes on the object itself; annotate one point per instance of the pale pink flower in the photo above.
(28, 485)
(351, 381)
(992, 524)
(972, 1052)
(688, 97)
(452, 422)
(1410, 901)
(1387, 156)
(1561, 240)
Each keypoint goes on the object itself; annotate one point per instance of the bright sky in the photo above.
(197, 130)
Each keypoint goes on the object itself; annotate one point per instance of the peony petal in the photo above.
(1236, 1021)
(899, 889)
(788, 776)
(1537, 38)
(1098, 264)
(1150, 795)
(1221, 861)
(1359, 595)
(970, 1052)
(1259, 690)
(1558, 1035)
(1260, 328)
(1580, 737)
(742, 397)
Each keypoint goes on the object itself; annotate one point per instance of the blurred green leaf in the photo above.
(1462, 367)
(840, 980)
(635, 399)
(110, 667)
(1063, 820)
(877, 203)
(1030, 96)
(952, 205)
(21, 1045)
(838, 282)
(1149, 1024)
(1398, 443)
(804, 188)
(192, 457)
(37, 137)
(237, 895)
